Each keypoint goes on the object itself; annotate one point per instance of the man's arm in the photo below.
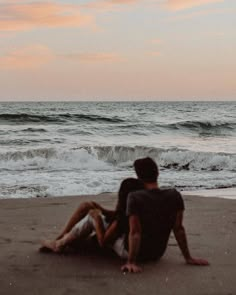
(181, 239)
(134, 245)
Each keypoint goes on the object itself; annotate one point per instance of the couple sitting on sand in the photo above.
(140, 226)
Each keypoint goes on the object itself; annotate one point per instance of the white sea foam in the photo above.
(51, 159)
(102, 157)
(92, 170)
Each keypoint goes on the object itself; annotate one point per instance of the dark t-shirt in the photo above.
(157, 211)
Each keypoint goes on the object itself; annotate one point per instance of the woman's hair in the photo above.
(127, 186)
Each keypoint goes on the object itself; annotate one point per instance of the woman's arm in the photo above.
(112, 233)
(98, 225)
(106, 212)
(104, 237)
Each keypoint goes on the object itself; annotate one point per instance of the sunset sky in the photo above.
(118, 50)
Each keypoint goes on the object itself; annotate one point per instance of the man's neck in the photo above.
(151, 185)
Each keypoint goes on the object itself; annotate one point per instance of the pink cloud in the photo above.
(199, 13)
(35, 56)
(154, 53)
(5, 34)
(186, 4)
(156, 41)
(32, 56)
(18, 17)
(122, 1)
(95, 57)
(107, 5)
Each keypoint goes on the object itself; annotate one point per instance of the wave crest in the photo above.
(167, 158)
(99, 157)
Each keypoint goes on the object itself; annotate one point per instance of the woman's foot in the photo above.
(44, 249)
(50, 246)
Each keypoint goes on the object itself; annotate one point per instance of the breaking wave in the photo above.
(101, 157)
(167, 158)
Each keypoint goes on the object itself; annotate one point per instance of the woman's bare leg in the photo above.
(57, 246)
(81, 231)
(78, 215)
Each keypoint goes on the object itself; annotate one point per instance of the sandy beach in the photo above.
(210, 224)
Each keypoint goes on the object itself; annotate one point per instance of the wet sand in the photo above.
(211, 228)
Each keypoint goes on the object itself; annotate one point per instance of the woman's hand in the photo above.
(95, 213)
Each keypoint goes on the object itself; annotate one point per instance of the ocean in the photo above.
(76, 148)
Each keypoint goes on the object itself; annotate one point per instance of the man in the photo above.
(153, 213)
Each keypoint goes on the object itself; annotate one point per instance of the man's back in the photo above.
(157, 210)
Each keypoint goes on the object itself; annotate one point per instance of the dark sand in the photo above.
(211, 228)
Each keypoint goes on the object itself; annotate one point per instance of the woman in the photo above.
(110, 227)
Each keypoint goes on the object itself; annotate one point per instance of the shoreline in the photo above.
(222, 193)
(210, 226)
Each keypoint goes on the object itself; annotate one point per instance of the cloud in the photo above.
(198, 13)
(109, 5)
(154, 53)
(5, 34)
(33, 56)
(123, 1)
(95, 57)
(156, 41)
(187, 4)
(20, 17)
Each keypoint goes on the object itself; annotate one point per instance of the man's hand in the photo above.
(131, 267)
(181, 238)
(194, 261)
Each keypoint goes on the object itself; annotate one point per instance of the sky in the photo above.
(117, 50)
